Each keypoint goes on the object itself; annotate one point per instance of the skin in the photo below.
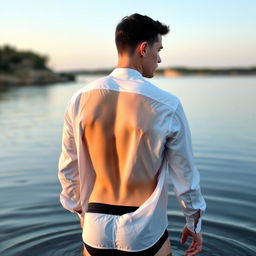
(145, 59)
(196, 244)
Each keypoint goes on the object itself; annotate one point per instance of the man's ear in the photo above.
(142, 48)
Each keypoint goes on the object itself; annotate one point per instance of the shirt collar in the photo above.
(126, 73)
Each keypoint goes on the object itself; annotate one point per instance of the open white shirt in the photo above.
(157, 139)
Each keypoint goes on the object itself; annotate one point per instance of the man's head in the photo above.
(139, 38)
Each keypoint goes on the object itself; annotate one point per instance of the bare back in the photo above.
(120, 132)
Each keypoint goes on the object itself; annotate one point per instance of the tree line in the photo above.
(12, 59)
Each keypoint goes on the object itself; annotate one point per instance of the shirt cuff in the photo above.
(192, 226)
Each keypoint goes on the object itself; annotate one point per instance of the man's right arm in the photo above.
(68, 168)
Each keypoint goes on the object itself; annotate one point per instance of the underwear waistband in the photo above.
(110, 209)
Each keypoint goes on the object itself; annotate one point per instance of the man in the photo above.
(121, 135)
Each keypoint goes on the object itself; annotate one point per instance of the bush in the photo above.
(12, 59)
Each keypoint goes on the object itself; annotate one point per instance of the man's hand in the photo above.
(196, 244)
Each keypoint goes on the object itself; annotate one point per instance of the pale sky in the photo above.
(79, 34)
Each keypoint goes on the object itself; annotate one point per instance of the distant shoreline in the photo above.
(28, 76)
(179, 71)
(33, 77)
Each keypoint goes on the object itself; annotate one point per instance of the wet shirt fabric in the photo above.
(105, 236)
(132, 131)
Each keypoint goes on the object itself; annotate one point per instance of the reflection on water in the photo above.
(222, 117)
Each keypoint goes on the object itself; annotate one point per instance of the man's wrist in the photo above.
(194, 222)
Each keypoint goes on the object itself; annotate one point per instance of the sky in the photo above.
(79, 34)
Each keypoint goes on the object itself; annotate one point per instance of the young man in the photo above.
(121, 135)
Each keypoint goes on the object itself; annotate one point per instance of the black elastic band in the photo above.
(110, 209)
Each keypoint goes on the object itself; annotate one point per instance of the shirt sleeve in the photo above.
(184, 174)
(68, 173)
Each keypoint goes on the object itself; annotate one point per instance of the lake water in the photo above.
(222, 116)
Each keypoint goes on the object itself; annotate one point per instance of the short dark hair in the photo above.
(135, 29)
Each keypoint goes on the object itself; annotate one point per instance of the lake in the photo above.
(222, 117)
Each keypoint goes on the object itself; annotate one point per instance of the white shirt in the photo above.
(154, 138)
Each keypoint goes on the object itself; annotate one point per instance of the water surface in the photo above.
(222, 116)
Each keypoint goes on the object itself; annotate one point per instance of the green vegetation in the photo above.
(11, 59)
(27, 67)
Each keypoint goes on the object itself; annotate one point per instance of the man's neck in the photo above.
(129, 62)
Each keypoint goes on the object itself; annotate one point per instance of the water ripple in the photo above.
(68, 240)
(64, 242)
(32, 220)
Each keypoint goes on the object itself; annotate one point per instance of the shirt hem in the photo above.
(116, 248)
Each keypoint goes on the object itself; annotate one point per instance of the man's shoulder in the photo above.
(161, 95)
(95, 84)
(143, 87)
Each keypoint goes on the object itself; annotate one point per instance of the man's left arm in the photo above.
(186, 179)
(183, 171)
(68, 173)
